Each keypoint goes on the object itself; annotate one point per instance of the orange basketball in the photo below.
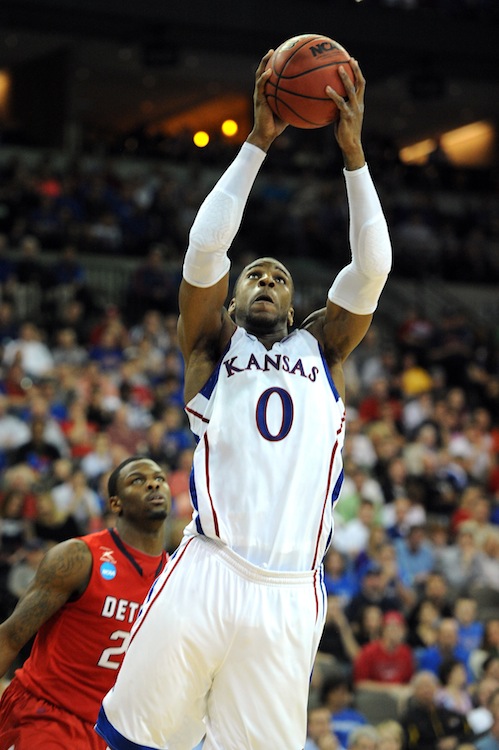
(301, 69)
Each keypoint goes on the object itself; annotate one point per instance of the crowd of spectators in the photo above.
(444, 220)
(85, 384)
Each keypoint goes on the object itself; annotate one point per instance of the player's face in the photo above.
(263, 296)
(144, 494)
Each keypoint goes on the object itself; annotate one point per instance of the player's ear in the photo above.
(115, 504)
(232, 306)
(291, 316)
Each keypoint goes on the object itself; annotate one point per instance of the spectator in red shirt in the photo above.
(386, 663)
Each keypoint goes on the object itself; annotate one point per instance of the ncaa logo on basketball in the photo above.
(319, 49)
(108, 571)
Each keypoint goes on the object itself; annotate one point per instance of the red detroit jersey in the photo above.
(77, 653)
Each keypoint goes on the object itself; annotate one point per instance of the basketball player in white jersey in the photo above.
(227, 637)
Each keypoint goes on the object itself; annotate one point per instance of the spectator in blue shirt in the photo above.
(447, 647)
(470, 629)
(415, 556)
(337, 695)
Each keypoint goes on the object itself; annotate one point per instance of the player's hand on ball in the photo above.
(267, 126)
(348, 127)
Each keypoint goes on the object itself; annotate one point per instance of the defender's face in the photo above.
(263, 296)
(144, 494)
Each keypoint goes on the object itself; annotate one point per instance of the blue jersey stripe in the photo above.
(328, 373)
(113, 738)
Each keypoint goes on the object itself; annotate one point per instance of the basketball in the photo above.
(301, 69)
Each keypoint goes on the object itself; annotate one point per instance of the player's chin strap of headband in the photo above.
(219, 218)
(358, 286)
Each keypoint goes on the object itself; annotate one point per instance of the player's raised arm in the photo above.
(204, 325)
(354, 295)
(64, 571)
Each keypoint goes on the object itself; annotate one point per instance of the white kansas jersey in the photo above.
(268, 468)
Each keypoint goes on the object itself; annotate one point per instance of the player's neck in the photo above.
(269, 338)
(151, 541)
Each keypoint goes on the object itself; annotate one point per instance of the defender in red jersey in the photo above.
(82, 604)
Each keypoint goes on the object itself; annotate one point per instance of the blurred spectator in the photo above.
(351, 538)
(358, 448)
(13, 430)
(121, 432)
(415, 556)
(29, 349)
(152, 286)
(490, 643)
(23, 570)
(364, 738)
(385, 664)
(372, 592)
(391, 735)
(418, 246)
(379, 402)
(99, 460)
(427, 725)
(50, 523)
(416, 413)
(177, 436)
(108, 351)
(29, 269)
(480, 717)
(370, 626)
(470, 629)
(396, 584)
(15, 527)
(424, 630)
(445, 648)
(155, 440)
(490, 741)
(452, 346)
(37, 452)
(358, 485)
(337, 696)
(414, 379)
(73, 315)
(464, 511)
(461, 562)
(75, 498)
(66, 349)
(400, 516)
(436, 590)
(371, 551)
(337, 639)
(78, 430)
(454, 693)
(9, 323)
(152, 326)
(339, 578)
(37, 406)
(319, 734)
(414, 333)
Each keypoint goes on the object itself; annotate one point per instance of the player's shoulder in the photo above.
(66, 566)
(73, 550)
(103, 536)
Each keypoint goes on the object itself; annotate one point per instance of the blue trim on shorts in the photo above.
(114, 739)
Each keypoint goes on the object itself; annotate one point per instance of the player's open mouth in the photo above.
(157, 500)
(264, 298)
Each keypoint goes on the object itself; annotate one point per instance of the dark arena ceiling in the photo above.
(117, 65)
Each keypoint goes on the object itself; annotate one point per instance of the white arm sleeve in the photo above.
(358, 286)
(219, 218)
